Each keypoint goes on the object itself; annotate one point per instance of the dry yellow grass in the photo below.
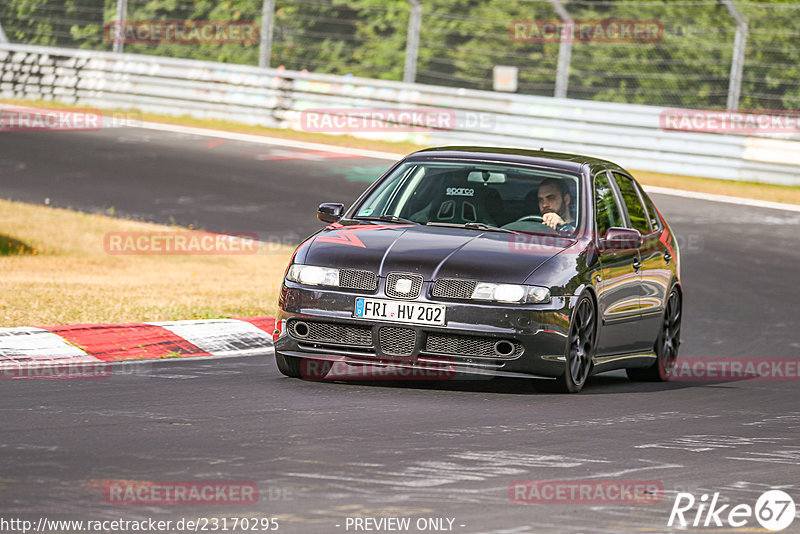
(773, 193)
(66, 276)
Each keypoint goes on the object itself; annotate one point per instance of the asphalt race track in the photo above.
(216, 184)
(323, 452)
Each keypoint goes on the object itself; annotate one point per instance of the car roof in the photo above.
(570, 162)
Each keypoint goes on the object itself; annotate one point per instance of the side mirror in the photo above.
(621, 239)
(330, 212)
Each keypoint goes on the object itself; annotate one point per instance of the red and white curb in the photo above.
(91, 343)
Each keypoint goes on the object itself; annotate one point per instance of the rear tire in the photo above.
(666, 344)
(288, 365)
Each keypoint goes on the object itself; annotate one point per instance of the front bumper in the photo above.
(538, 333)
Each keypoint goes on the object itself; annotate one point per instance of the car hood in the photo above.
(432, 251)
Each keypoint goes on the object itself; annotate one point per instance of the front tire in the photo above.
(581, 345)
(666, 344)
(288, 365)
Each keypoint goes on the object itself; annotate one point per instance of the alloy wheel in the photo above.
(670, 338)
(581, 345)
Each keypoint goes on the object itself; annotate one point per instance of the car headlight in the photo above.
(311, 275)
(511, 293)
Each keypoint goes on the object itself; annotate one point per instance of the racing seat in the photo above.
(460, 203)
(495, 205)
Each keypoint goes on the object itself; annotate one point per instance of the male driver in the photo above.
(554, 201)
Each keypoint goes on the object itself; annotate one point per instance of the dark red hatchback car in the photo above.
(488, 261)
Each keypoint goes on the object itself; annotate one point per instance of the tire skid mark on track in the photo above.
(458, 467)
(704, 443)
(540, 426)
(788, 420)
(788, 456)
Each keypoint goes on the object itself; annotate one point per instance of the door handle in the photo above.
(667, 257)
(637, 265)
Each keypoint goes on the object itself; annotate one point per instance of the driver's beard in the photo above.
(563, 213)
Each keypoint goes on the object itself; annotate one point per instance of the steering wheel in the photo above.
(529, 223)
(537, 218)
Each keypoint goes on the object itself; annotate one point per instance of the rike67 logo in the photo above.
(774, 511)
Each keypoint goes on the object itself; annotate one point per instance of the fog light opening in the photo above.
(504, 348)
(300, 329)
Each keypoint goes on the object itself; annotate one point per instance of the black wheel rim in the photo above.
(671, 333)
(581, 345)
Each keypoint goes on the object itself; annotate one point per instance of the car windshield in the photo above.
(476, 195)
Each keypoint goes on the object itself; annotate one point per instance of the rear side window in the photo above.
(651, 212)
(633, 203)
(607, 211)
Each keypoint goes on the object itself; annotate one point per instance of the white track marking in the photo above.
(264, 140)
(723, 198)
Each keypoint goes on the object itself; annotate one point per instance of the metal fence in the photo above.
(708, 54)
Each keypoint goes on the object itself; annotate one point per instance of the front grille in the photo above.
(332, 332)
(397, 341)
(467, 346)
(391, 283)
(453, 288)
(358, 279)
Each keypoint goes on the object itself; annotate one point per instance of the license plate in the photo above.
(399, 311)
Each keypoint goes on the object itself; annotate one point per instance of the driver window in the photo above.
(607, 211)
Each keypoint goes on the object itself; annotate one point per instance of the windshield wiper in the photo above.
(487, 227)
(474, 226)
(384, 218)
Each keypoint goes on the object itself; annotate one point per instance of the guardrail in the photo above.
(628, 134)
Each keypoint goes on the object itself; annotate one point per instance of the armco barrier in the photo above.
(625, 133)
